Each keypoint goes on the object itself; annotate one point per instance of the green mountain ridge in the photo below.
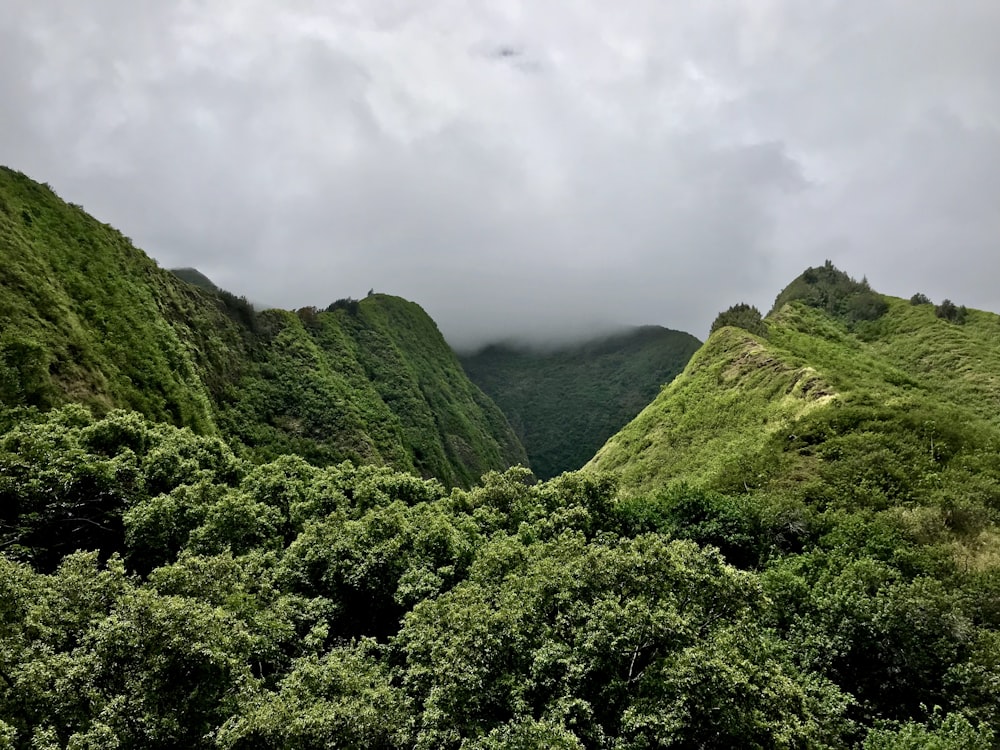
(849, 404)
(734, 419)
(565, 402)
(90, 319)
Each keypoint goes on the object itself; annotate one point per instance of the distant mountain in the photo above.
(565, 402)
(845, 389)
(88, 318)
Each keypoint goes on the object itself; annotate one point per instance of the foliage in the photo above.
(290, 605)
(378, 385)
(564, 403)
(742, 316)
(953, 732)
(920, 299)
(853, 464)
(829, 289)
(195, 277)
(89, 319)
(913, 392)
(347, 303)
(949, 311)
(67, 482)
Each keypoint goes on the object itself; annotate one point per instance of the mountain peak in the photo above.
(828, 288)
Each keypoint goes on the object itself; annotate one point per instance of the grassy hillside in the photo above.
(895, 413)
(373, 382)
(739, 416)
(735, 390)
(90, 319)
(565, 403)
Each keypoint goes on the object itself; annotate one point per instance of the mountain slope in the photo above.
(564, 403)
(373, 382)
(195, 277)
(88, 318)
(888, 407)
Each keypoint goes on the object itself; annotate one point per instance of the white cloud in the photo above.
(523, 168)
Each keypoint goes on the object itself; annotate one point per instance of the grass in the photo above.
(902, 409)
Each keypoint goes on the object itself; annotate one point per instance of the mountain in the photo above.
(90, 319)
(844, 391)
(368, 380)
(196, 277)
(564, 403)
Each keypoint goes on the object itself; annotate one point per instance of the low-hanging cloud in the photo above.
(532, 170)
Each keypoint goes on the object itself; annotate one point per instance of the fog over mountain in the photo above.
(535, 170)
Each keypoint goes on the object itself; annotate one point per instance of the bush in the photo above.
(866, 306)
(347, 303)
(947, 310)
(742, 316)
(920, 299)
(830, 289)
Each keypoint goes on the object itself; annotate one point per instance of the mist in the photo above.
(523, 171)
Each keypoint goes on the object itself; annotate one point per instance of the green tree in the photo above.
(343, 699)
(742, 316)
(623, 642)
(951, 732)
(949, 311)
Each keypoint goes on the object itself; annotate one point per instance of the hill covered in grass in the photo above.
(90, 319)
(565, 402)
(823, 386)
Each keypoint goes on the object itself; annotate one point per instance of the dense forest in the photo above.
(214, 602)
(795, 545)
(565, 401)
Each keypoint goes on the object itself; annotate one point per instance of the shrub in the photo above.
(950, 312)
(347, 303)
(742, 316)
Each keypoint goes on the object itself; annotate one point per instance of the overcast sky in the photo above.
(523, 168)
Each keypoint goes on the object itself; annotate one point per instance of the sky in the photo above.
(534, 170)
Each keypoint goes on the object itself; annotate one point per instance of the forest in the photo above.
(159, 591)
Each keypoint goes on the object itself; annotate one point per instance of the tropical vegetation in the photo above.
(232, 529)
